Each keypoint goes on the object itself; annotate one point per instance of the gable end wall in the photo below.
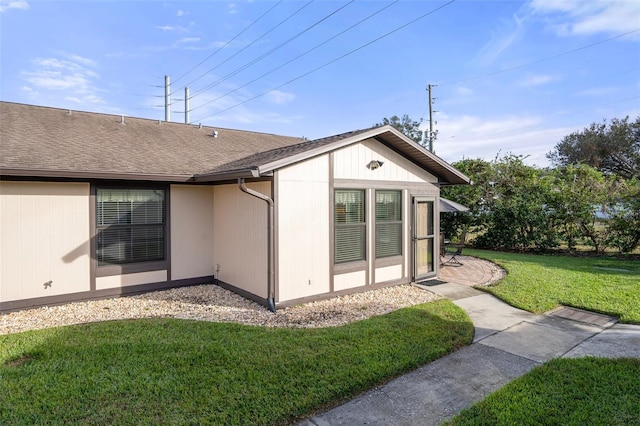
(304, 212)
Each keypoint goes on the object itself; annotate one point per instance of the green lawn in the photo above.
(593, 391)
(539, 283)
(173, 371)
(584, 391)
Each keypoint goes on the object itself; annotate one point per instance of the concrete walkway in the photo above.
(508, 342)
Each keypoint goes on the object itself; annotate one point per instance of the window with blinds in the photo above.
(130, 225)
(388, 223)
(350, 226)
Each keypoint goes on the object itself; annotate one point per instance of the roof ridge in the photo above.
(132, 117)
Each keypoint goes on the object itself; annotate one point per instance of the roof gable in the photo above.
(266, 162)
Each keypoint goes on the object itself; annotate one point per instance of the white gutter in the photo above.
(271, 265)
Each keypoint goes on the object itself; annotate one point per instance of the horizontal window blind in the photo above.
(130, 206)
(131, 225)
(388, 239)
(350, 226)
(388, 223)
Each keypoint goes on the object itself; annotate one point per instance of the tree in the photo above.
(583, 199)
(611, 148)
(472, 196)
(508, 204)
(624, 222)
(405, 125)
(517, 216)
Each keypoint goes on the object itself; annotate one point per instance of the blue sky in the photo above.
(509, 76)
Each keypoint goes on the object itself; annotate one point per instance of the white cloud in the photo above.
(13, 4)
(501, 40)
(170, 28)
(69, 76)
(579, 17)
(598, 91)
(79, 59)
(279, 98)
(189, 40)
(181, 13)
(233, 8)
(476, 137)
(534, 80)
(248, 116)
(464, 91)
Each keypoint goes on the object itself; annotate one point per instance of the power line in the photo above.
(252, 43)
(298, 57)
(228, 42)
(540, 60)
(264, 55)
(334, 60)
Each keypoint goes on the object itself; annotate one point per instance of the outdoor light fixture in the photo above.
(374, 164)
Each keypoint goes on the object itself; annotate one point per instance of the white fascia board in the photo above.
(322, 150)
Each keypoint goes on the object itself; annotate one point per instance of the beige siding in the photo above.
(388, 273)
(407, 216)
(240, 245)
(116, 281)
(349, 280)
(44, 239)
(191, 231)
(303, 229)
(350, 163)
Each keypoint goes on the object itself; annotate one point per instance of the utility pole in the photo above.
(431, 111)
(167, 98)
(186, 105)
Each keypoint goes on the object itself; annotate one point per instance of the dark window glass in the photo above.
(388, 223)
(130, 225)
(350, 226)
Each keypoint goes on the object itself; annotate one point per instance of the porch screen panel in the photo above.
(350, 226)
(130, 225)
(388, 223)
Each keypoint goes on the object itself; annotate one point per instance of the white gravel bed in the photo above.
(213, 303)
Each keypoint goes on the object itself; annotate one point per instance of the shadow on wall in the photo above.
(130, 228)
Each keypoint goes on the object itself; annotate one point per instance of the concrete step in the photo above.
(587, 317)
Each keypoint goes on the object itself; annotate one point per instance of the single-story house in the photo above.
(97, 205)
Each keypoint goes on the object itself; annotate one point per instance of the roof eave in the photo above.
(247, 173)
(73, 174)
(435, 164)
(451, 175)
(269, 167)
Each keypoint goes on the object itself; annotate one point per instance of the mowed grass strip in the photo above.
(584, 391)
(538, 283)
(169, 371)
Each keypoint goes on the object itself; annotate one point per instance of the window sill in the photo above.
(131, 268)
(341, 268)
(389, 261)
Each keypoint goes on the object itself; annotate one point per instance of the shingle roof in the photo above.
(46, 141)
(266, 162)
(51, 142)
(256, 160)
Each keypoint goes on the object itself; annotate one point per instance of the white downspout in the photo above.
(271, 266)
